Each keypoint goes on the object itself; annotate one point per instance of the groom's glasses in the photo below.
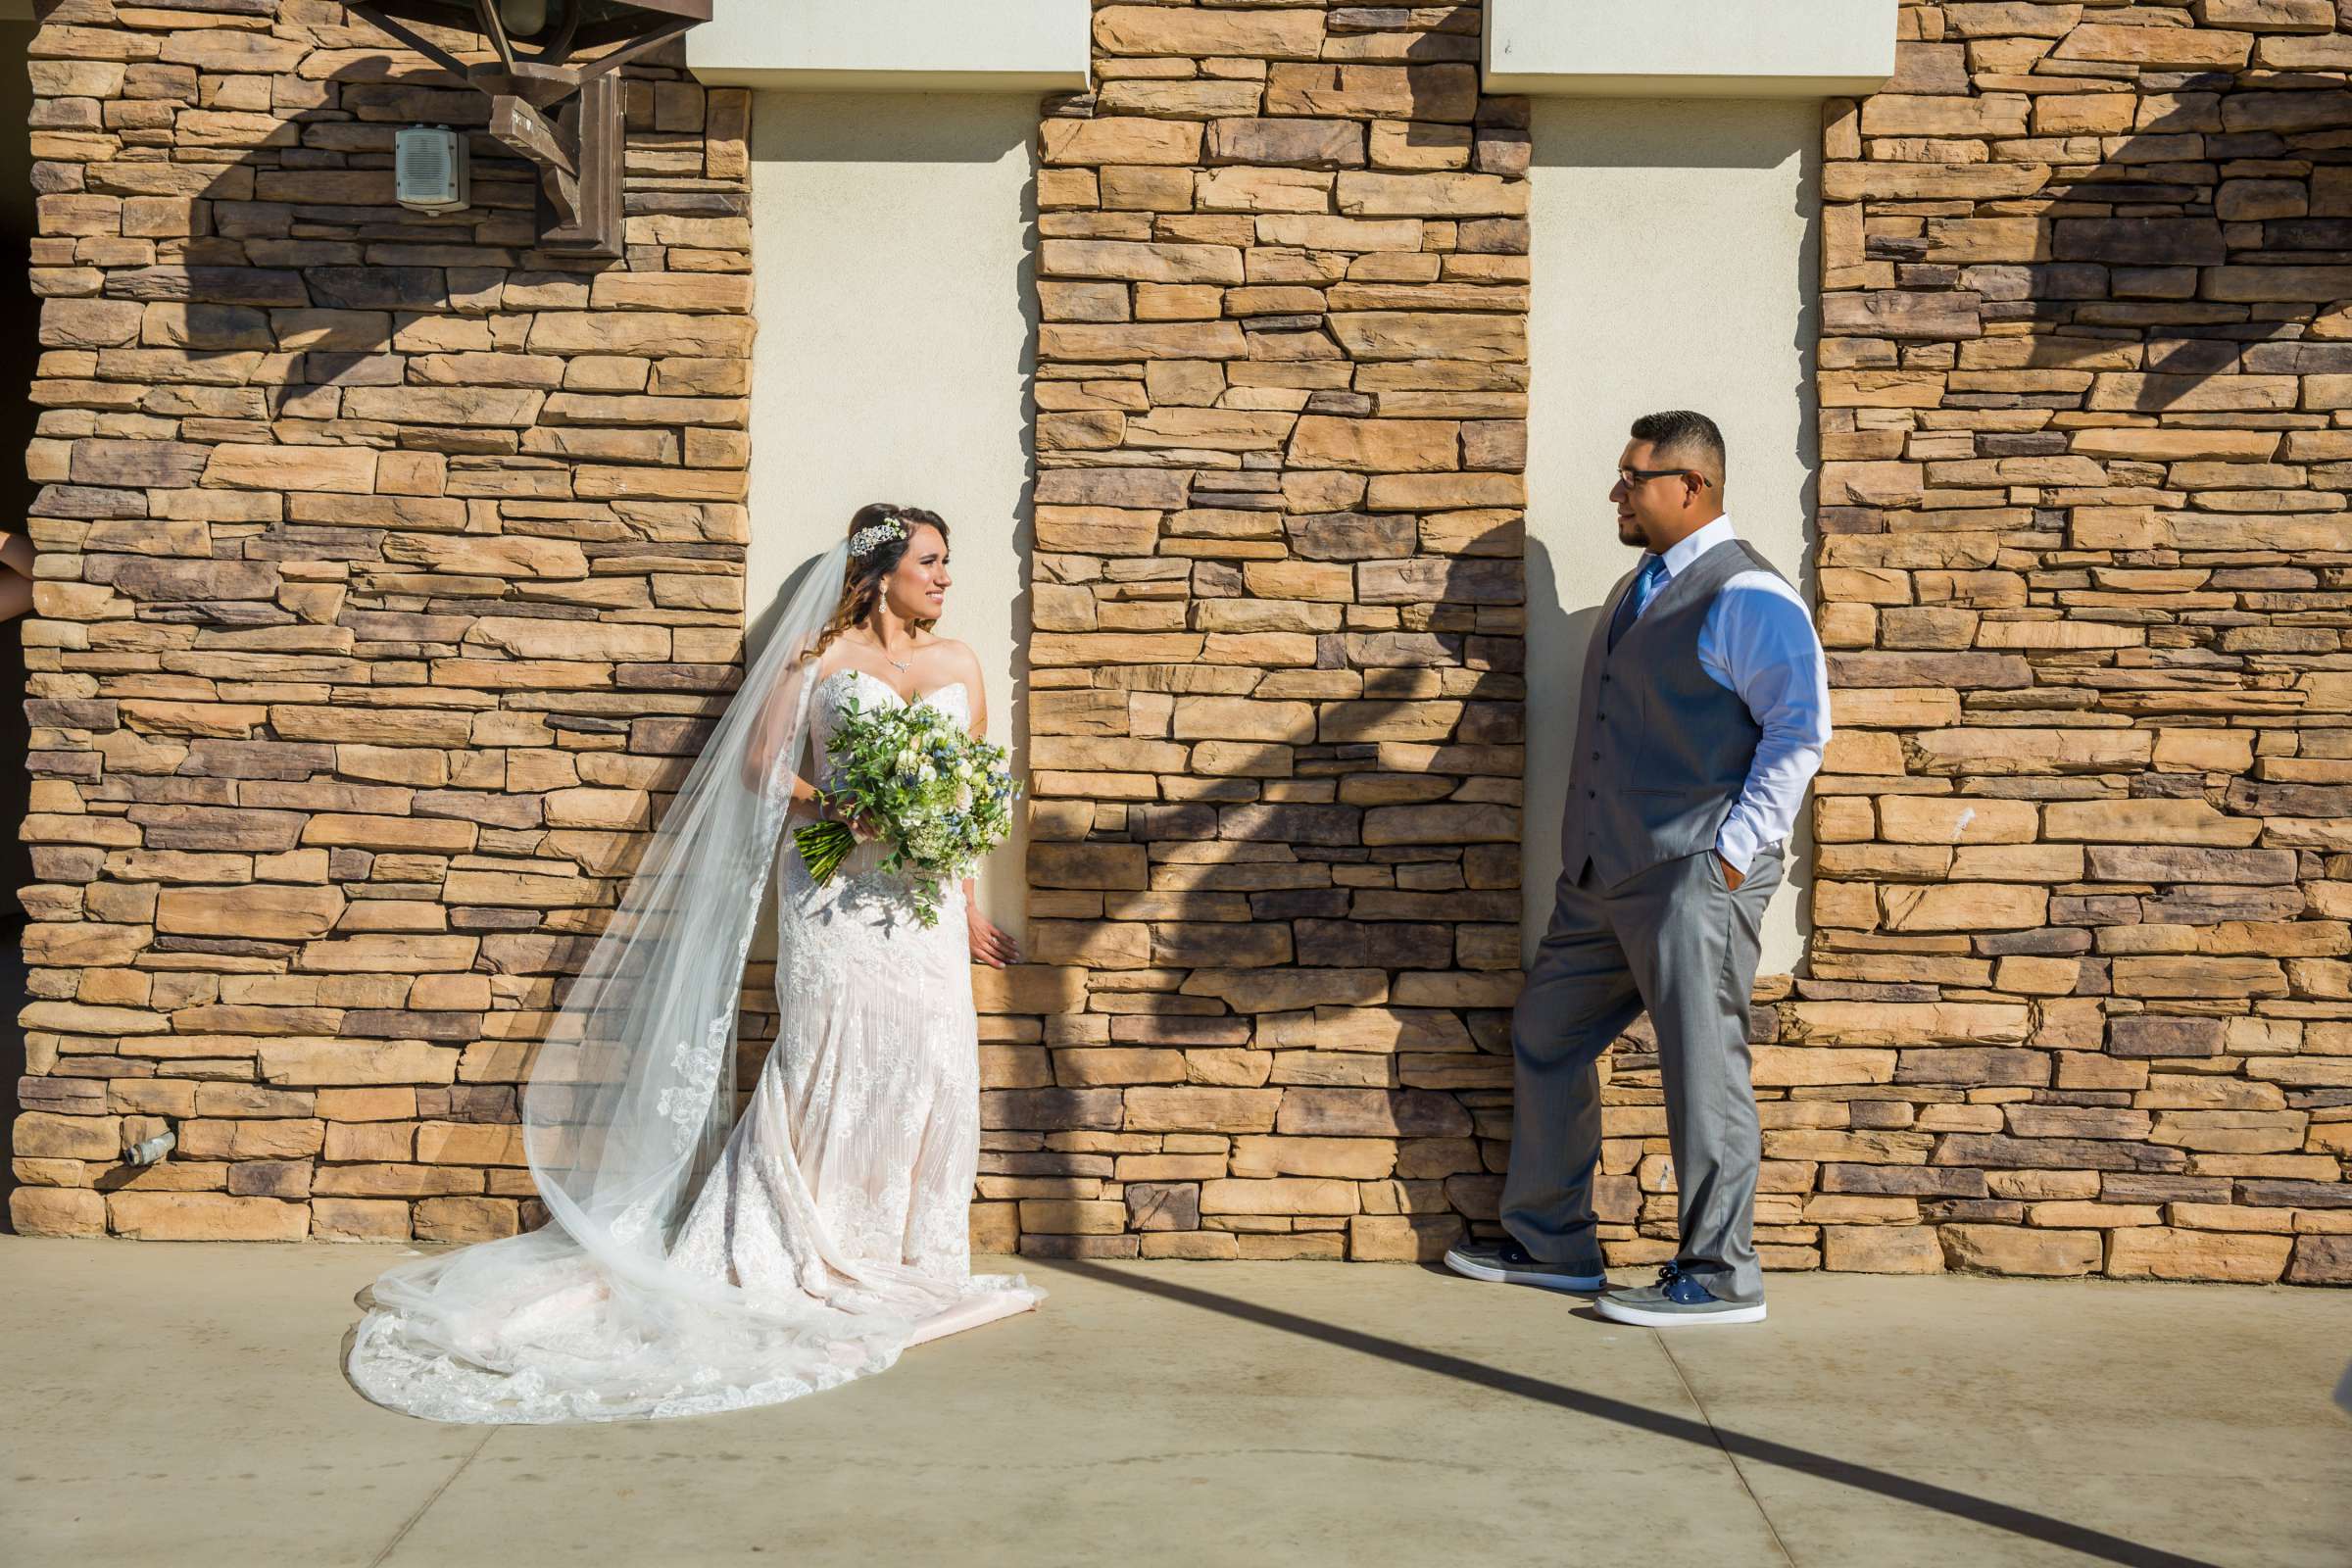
(1633, 477)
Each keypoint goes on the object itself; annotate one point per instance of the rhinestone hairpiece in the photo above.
(866, 541)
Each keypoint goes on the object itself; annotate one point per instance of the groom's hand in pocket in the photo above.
(1733, 877)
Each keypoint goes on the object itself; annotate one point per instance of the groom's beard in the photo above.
(1629, 532)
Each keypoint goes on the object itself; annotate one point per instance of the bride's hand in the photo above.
(844, 811)
(990, 946)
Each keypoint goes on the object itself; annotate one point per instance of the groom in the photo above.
(1704, 713)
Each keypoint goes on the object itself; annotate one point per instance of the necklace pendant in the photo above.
(894, 665)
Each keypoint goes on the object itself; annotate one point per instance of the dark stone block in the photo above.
(2139, 241)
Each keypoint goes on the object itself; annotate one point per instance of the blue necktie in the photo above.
(1636, 598)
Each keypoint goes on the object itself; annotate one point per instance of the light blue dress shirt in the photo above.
(1758, 641)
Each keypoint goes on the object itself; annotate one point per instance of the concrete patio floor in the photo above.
(183, 1403)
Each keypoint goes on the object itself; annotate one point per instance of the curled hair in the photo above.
(862, 588)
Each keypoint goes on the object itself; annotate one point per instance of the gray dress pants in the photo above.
(1674, 940)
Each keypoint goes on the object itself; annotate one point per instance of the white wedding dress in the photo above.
(827, 1234)
(849, 1176)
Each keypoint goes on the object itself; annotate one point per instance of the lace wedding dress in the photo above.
(692, 1265)
(849, 1176)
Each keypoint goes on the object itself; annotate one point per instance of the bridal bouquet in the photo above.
(937, 795)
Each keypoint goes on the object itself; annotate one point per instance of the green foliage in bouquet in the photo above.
(937, 796)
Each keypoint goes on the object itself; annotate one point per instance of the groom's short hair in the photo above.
(1684, 439)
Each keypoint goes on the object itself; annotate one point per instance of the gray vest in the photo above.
(1661, 750)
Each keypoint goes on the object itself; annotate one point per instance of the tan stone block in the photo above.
(1081, 342)
(359, 1219)
(466, 1219)
(1431, 195)
(2013, 1250)
(206, 1218)
(252, 1138)
(1141, 263)
(1119, 139)
(2198, 976)
(2220, 750)
(343, 470)
(56, 1211)
(2076, 1214)
(295, 1060)
(1262, 191)
(1930, 819)
(1789, 1066)
(1348, 1158)
(1380, 446)
(1402, 1238)
(1294, 1194)
(1386, 335)
(1144, 30)
(2196, 47)
(2194, 1254)
(264, 911)
(1192, 1109)
(1447, 93)
(2148, 821)
(1973, 906)
(1073, 1217)
(395, 1179)
(1202, 1246)
(1882, 1250)
(39, 1135)
(2014, 753)
(1856, 1024)
(443, 1143)
(1029, 988)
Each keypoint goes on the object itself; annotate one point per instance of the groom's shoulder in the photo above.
(1757, 559)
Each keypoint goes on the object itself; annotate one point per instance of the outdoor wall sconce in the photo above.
(565, 117)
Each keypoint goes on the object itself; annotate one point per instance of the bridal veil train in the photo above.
(693, 1262)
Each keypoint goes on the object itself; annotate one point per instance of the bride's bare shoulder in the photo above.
(957, 654)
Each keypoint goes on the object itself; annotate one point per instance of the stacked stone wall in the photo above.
(1276, 686)
(387, 568)
(2078, 998)
(2076, 978)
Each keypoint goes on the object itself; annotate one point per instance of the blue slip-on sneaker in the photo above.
(1675, 1300)
(1511, 1264)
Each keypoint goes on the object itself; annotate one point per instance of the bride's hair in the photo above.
(888, 530)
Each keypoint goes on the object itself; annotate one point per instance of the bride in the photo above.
(694, 1262)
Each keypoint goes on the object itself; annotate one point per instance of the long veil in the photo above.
(629, 1103)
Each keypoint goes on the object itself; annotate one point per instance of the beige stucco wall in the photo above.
(893, 45)
(1674, 268)
(1690, 48)
(890, 252)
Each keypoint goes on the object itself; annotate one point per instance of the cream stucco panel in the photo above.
(891, 262)
(897, 45)
(1690, 48)
(1674, 268)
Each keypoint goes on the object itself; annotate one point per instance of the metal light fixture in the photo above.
(563, 113)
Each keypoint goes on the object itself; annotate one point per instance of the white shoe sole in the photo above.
(1581, 1284)
(1645, 1317)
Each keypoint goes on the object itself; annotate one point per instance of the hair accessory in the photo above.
(866, 541)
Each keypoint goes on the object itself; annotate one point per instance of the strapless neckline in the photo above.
(853, 673)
